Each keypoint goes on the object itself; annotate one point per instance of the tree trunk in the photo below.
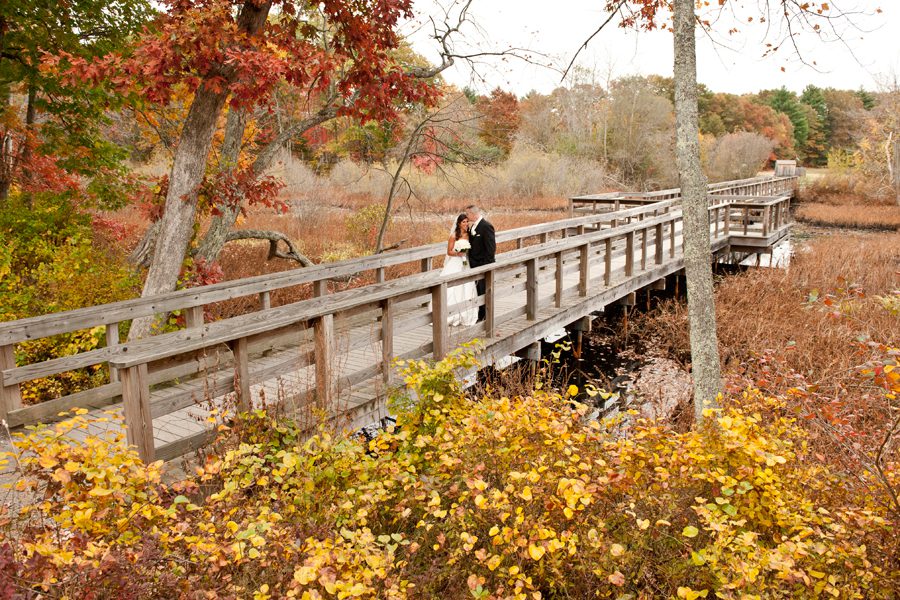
(217, 234)
(695, 208)
(221, 224)
(177, 223)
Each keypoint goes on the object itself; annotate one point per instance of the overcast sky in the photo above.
(731, 63)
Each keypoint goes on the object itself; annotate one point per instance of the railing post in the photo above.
(716, 219)
(643, 248)
(265, 300)
(10, 396)
(320, 288)
(531, 290)
(489, 304)
(426, 264)
(557, 298)
(519, 243)
(136, 407)
(387, 339)
(324, 354)
(439, 316)
(746, 218)
(672, 238)
(241, 374)
(657, 246)
(629, 253)
(583, 269)
(545, 237)
(607, 261)
(112, 340)
(379, 275)
(728, 220)
(767, 214)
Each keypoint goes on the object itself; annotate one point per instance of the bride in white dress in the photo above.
(461, 299)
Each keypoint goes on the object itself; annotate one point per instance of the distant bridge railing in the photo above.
(754, 186)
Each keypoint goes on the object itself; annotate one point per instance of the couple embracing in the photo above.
(472, 244)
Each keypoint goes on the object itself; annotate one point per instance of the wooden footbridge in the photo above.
(333, 352)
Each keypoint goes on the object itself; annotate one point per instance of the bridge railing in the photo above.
(754, 186)
(319, 329)
(193, 302)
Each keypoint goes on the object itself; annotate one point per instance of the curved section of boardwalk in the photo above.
(332, 353)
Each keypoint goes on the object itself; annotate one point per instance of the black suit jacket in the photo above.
(484, 244)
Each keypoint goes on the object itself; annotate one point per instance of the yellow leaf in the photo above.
(690, 531)
(643, 524)
(526, 493)
(617, 550)
(100, 492)
(536, 552)
(493, 562)
(494, 531)
(572, 390)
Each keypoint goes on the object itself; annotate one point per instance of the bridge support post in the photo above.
(439, 316)
(136, 407)
(489, 307)
(323, 330)
(530, 352)
(629, 254)
(387, 339)
(607, 261)
(10, 396)
(557, 297)
(241, 374)
(584, 270)
(531, 290)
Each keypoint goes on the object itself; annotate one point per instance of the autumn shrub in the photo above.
(53, 259)
(488, 497)
(843, 186)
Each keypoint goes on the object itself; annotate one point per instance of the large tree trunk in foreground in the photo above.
(177, 223)
(695, 208)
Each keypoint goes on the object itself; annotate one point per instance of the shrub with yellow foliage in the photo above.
(489, 497)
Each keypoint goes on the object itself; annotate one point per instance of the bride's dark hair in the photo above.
(457, 231)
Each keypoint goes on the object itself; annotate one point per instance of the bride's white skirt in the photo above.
(461, 299)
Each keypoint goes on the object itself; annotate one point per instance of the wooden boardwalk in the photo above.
(332, 354)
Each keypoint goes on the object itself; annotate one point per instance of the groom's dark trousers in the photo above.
(484, 247)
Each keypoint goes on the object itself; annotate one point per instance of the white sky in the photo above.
(735, 64)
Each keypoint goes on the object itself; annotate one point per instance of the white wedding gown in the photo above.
(461, 299)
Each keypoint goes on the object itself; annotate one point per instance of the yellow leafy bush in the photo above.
(489, 497)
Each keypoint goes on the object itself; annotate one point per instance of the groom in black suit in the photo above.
(483, 246)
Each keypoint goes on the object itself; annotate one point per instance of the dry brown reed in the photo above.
(849, 215)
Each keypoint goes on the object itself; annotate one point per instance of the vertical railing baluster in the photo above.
(629, 254)
(387, 339)
(439, 317)
(323, 331)
(10, 395)
(531, 289)
(136, 408)
(607, 261)
(583, 269)
(557, 298)
(112, 340)
(241, 374)
(490, 307)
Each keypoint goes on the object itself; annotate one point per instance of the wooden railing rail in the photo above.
(108, 314)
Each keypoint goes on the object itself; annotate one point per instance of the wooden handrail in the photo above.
(85, 318)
